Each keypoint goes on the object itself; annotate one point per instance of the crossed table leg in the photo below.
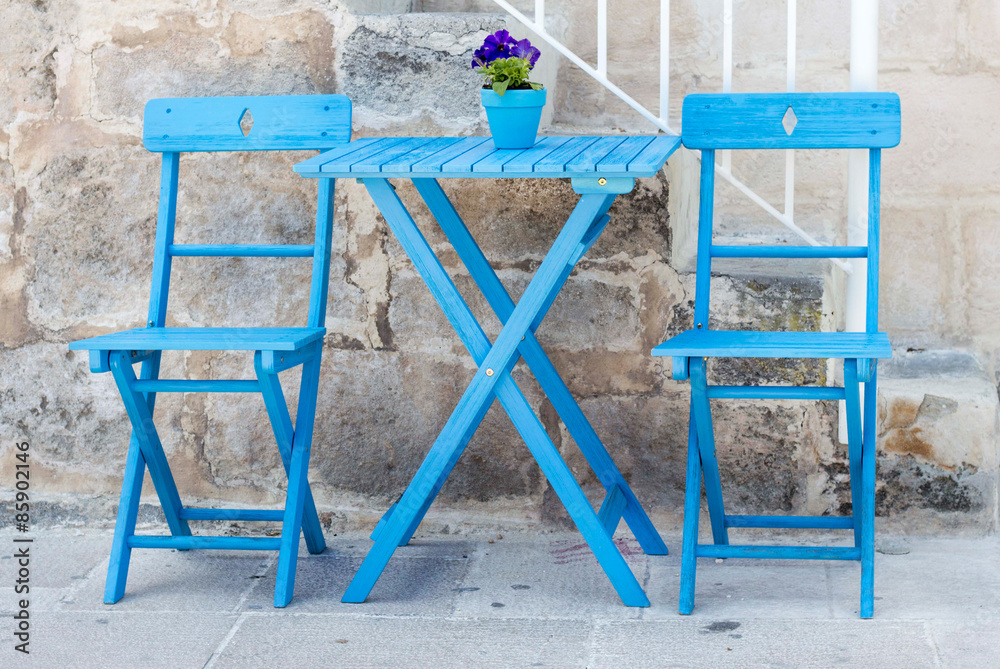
(493, 380)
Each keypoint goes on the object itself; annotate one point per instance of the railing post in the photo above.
(864, 77)
(665, 61)
(790, 58)
(602, 37)
(727, 66)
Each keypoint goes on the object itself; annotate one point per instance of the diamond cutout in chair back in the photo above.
(788, 121)
(246, 122)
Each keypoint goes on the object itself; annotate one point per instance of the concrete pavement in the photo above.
(527, 599)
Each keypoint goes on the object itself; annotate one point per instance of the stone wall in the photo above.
(77, 219)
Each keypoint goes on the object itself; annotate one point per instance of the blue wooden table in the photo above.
(600, 168)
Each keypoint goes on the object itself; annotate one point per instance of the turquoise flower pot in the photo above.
(514, 117)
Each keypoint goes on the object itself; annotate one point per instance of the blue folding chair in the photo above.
(823, 121)
(171, 127)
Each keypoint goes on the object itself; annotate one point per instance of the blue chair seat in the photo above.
(202, 339)
(731, 344)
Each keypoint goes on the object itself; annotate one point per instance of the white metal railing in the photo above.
(861, 11)
(863, 74)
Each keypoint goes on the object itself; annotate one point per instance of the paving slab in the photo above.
(753, 588)
(171, 580)
(760, 644)
(120, 640)
(551, 575)
(408, 586)
(387, 642)
(937, 579)
(60, 564)
(357, 544)
(967, 644)
(58, 560)
(435, 606)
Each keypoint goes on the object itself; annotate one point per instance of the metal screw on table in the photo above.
(602, 182)
(489, 372)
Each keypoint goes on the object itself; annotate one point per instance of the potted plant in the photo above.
(513, 104)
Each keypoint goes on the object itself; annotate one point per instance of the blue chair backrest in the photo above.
(265, 123)
(821, 121)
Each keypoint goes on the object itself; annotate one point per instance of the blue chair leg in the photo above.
(128, 510)
(284, 433)
(128, 504)
(853, 404)
(868, 496)
(298, 484)
(692, 512)
(149, 442)
(706, 445)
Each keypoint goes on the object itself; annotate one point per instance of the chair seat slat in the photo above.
(737, 344)
(202, 339)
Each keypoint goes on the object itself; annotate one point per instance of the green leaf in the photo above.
(535, 86)
(500, 87)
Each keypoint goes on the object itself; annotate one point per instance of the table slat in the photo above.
(655, 154)
(316, 162)
(525, 162)
(586, 160)
(460, 157)
(405, 162)
(555, 162)
(343, 163)
(433, 163)
(464, 162)
(622, 155)
(494, 162)
(374, 162)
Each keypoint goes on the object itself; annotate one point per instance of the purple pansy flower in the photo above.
(523, 49)
(497, 45)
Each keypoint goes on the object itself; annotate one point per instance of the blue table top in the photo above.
(476, 157)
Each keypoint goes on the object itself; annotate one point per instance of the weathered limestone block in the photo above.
(265, 54)
(89, 225)
(379, 412)
(217, 205)
(981, 246)
(646, 436)
(766, 450)
(414, 69)
(767, 303)
(28, 54)
(931, 265)
(939, 443)
(73, 419)
(15, 329)
(515, 221)
(595, 310)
